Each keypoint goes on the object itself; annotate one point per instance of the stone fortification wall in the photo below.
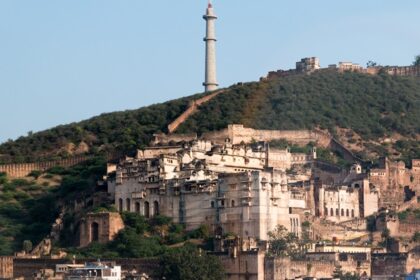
(193, 107)
(176, 138)
(389, 264)
(346, 153)
(26, 267)
(183, 117)
(19, 170)
(355, 224)
(216, 136)
(238, 133)
(411, 71)
(6, 267)
(284, 268)
(326, 230)
(408, 229)
(243, 265)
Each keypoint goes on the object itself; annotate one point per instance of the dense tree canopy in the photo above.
(373, 106)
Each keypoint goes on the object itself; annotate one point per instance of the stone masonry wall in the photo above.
(244, 266)
(20, 170)
(6, 267)
(191, 110)
(107, 226)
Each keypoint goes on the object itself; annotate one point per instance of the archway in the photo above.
(137, 207)
(128, 204)
(94, 232)
(155, 208)
(146, 209)
(120, 205)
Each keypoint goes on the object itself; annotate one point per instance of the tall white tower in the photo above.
(210, 82)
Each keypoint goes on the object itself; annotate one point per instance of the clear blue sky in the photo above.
(64, 61)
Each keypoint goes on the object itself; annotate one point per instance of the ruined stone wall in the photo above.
(284, 268)
(408, 229)
(346, 153)
(6, 267)
(175, 138)
(243, 265)
(389, 264)
(107, 226)
(326, 230)
(20, 170)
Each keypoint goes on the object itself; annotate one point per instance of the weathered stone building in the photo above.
(354, 197)
(397, 183)
(99, 227)
(232, 188)
(236, 185)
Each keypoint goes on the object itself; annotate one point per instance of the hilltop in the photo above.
(372, 114)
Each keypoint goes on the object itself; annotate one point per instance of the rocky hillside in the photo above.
(373, 115)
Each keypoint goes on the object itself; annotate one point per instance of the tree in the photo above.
(371, 63)
(416, 61)
(190, 263)
(416, 236)
(283, 243)
(27, 246)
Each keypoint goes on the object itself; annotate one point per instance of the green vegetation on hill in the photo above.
(112, 132)
(372, 106)
(28, 207)
(160, 239)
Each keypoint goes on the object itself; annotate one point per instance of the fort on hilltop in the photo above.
(310, 65)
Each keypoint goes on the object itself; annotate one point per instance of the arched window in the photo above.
(342, 212)
(155, 208)
(212, 204)
(352, 213)
(146, 209)
(128, 204)
(347, 213)
(94, 232)
(233, 203)
(137, 207)
(336, 212)
(326, 211)
(120, 204)
(332, 212)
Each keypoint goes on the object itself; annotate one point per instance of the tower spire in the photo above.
(210, 82)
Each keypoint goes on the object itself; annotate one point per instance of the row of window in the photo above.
(222, 203)
(346, 212)
(137, 207)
